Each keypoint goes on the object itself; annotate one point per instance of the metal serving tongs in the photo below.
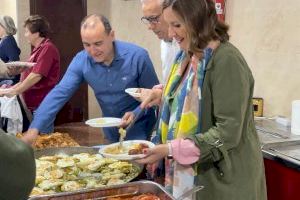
(122, 136)
(190, 192)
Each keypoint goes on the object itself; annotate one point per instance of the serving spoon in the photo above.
(190, 192)
(123, 135)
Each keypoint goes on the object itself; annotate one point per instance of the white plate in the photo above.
(20, 64)
(126, 144)
(133, 92)
(104, 122)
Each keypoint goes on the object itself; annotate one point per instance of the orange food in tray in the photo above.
(53, 140)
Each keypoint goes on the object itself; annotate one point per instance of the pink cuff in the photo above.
(185, 151)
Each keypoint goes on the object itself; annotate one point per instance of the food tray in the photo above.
(65, 150)
(133, 188)
(52, 140)
(71, 151)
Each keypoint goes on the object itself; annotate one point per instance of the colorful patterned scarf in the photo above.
(181, 109)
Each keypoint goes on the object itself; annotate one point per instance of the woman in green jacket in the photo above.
(206, 117)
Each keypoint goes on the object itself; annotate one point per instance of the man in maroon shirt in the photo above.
(37, 81)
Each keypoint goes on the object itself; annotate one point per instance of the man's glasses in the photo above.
(151, 19)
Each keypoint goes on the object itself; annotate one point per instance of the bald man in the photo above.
(109, 67)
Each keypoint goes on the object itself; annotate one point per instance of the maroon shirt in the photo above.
(47, 59)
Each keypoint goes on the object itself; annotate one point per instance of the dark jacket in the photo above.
(17, 168)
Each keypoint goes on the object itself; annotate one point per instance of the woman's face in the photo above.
(31, 37)
(177, 28)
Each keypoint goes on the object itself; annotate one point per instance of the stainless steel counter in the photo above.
(271, 132)
(278, 143)
(287, 153)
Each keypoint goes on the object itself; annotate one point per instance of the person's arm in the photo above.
(153, 98)
(55, 100)
(231, 91)
(30, 80)
(3, 70)
(184, 151)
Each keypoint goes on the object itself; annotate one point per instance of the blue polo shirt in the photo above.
(131, 67)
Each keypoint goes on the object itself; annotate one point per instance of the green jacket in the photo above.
(17, 168)
(231, 164)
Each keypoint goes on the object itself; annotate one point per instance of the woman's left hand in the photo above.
(15, 70)
(154, 154)
(9, 92)
(153, 98)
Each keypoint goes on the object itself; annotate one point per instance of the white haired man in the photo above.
(153, 18)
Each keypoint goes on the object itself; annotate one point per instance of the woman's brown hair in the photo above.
(200, 20)
(37, 23)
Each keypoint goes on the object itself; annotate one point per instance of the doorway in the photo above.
(64, 17)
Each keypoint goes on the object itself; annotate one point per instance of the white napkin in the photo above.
(11, 110)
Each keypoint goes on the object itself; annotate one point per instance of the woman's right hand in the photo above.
(152, 98)
(154, 154)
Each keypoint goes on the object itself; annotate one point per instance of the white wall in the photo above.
(23, 12)
(267, 33)
(8, 7)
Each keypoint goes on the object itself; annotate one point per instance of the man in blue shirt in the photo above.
(109, 67)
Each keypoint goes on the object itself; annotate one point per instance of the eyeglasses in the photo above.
(151, 19)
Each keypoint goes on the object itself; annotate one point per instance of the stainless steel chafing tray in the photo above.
(288, 151)
(65, 150)
(77, 150)
(269, 131)
(128, 189)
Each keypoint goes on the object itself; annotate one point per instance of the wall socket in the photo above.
(258, 108)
